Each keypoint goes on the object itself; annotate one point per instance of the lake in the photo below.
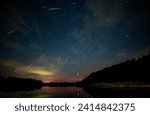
(49, 92)
(97, 91)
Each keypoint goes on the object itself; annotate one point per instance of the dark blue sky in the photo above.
(66, 40)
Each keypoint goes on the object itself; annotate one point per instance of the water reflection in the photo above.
(95, 91)
(49, 92)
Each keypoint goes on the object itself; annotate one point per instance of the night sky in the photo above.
(66, 40)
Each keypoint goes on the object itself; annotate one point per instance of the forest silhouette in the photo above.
(12, 84)
(129, 71)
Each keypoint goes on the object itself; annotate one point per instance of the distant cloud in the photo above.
(42, 60)
(20, 21)
(47, 62)
(39, 70)
(17, 21)
(13, 45)
(105, 11)
(101, 13)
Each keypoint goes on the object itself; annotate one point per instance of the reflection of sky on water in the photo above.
(49, 92)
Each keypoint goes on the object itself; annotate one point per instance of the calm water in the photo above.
(49, 92)
(134, 91)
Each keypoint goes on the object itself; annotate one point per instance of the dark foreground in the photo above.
(76, 90)
(118, 92)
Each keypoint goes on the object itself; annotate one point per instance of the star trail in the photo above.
(66, 40)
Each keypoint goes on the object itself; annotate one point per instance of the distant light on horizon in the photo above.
(41, 72)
